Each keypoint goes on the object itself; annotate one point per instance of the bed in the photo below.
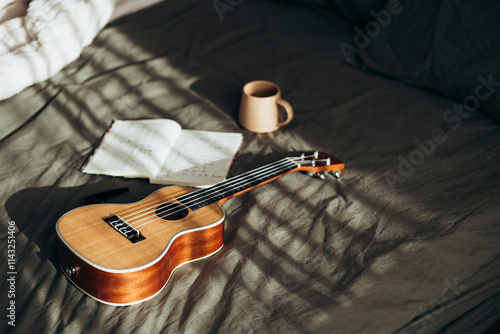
(407, 240)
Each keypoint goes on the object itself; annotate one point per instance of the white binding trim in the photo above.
(146, 265)
(145, 299)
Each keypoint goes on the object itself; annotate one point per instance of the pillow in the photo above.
(39, 37)
(44, 37)
(12, 9)
(450, 46)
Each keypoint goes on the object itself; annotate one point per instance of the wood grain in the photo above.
(98, 242)
(113, 270)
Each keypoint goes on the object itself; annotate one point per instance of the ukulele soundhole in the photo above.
(171, 211)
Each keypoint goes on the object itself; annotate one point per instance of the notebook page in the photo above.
(134, 148)
(199, 158)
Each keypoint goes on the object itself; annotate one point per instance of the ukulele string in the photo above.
(127, 215)
(293, 160)
(240, 181)
(206, 195)
(166, 213)
(192, 196)
(187, 196)
(214, 194)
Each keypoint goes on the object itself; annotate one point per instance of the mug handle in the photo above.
(289, 111)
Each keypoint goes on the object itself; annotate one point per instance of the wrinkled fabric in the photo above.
(51, 34)
(406, 241)
(449, 47)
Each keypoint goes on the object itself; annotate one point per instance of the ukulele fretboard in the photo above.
(236, 184)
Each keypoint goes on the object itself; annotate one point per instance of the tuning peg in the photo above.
(317, 175)
(335, 174)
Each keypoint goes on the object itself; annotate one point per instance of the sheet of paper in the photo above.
(134, 148)
(199, 158)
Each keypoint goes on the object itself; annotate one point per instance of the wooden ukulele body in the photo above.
(122, 254)
(111, 269)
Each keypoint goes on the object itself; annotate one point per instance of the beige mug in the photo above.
(261, 108)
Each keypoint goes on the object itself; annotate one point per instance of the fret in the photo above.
(162, 231)
(316, 164)
(236, 184)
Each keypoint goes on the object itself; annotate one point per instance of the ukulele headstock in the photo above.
(318, 164)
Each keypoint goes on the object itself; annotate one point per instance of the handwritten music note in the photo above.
(201, 156)
(161, 151)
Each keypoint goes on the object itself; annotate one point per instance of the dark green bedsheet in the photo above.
(406, 241)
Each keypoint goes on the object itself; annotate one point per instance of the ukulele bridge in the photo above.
(124, 228)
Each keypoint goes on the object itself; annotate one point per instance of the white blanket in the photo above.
(39, 37)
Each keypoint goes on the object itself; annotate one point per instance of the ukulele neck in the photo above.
(315, 164)
(237, 185)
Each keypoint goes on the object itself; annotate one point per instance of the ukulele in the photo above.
(123, 254)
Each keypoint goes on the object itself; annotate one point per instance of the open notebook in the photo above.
(159, 149)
